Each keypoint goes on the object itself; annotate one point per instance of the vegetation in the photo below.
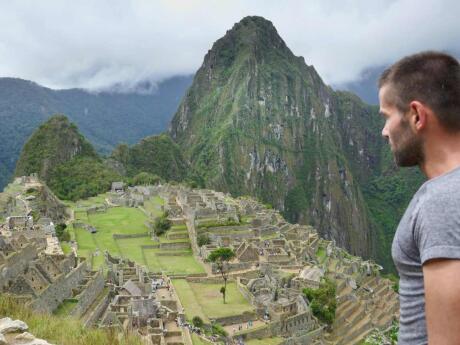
(377, 337)
(65, 160)
(322, 301)
(144, 178)
(117, 220)
(61, 330)
(221, 257)
(153, 158)
(202, 299)
(101, 117)
(203, 239)
(161, 224)
(61, 232)
(197, 321)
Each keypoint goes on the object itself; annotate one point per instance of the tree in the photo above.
(221, 257)
(322, 301)
(162, 224)
(61, 232)
(197, 321)
(145, 178)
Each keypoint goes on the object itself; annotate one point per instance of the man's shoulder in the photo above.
(444, 188)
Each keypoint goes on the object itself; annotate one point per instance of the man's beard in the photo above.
(409, 151)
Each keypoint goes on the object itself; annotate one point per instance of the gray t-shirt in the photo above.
(430, 228)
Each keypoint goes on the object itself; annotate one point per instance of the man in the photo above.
(420, 101)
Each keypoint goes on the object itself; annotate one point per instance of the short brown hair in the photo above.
(432, 78)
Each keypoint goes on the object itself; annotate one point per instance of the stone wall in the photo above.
(61, 289)
(175, 245)
(304, 339)
(233, 266)
(89, 294)
(97, 311)
(138, 235)
(234, 319)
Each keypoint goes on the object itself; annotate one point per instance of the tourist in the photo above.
(420, 102)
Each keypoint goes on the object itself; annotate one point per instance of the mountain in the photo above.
(157, 155)
(258, 120)
(366, 85)
(105, 118)
(65, 160)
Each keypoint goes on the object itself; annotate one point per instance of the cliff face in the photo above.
(258, 120)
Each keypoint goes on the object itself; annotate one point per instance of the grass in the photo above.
(61, 330)
(83, 204)
(196, 340)
(153, 206)
(172, 264)
(65, 246)
(205, 300)
(120, 220)
(125, 220)
(321, 254)
(65, 307)
(265, 341)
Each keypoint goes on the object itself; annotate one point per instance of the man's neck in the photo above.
(441, 156)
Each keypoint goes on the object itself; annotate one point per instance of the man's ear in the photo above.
(418, 115)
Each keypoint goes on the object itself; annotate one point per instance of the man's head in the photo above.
(414, 93)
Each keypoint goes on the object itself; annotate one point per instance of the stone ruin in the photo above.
(143, 303)
(45, 281)
(365, 300)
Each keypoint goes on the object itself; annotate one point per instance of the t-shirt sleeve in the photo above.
(437, 233)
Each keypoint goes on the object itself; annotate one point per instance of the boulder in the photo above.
(9, 326)
(2, 339)
(28, 339)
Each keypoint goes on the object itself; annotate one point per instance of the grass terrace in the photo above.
(153, 206)
(131, 221)
(83, 204)
(117, 220)
(176, 263)
(205, 300)
(265, 341)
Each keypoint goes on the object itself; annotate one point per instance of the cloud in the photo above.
(93, 44)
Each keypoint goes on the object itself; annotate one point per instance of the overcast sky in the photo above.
(93, 44)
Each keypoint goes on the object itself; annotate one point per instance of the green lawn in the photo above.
(117, 220)
(205, 300)
(65, 307)
(172, 264)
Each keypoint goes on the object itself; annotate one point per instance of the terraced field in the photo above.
(205, 300)
(171, 253)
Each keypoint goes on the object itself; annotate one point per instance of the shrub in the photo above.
(203, 240)
(218, 329)
(161, 225)
(322, 301)
(197, 322)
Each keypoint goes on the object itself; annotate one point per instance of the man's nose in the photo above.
(385, 132)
